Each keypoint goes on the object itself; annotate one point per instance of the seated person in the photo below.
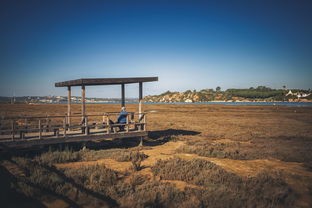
(122, 118)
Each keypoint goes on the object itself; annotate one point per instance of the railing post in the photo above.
(48, 125)
(86, 126)
(13, 129)
(108, 124)
(69, 107)
(26, 125)
(144, 121)
(1, 127)
(140, 99)
(40, 129)
(140, 125)
(64, 126)
(127, 123)
(21, 134)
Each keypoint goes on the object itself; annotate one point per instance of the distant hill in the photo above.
(261, 93)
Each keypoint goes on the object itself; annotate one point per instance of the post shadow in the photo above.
(163, 136)
(10, 197)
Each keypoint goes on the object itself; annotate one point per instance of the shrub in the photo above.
(218, 150)
(224, 189)
(96, 177)
(40, 177)
(58, 156)
(136, 158)
(120, 155)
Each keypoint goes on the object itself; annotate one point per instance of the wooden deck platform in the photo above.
(69, 138)
(26, 132)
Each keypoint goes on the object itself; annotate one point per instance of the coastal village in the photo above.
(253, 95)
(259, 94)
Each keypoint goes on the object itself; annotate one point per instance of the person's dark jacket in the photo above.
(122, 118)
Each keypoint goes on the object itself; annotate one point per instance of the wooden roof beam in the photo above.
(105, 81)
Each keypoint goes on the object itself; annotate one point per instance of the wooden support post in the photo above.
(122, 95)
(68, 107)
(83, 101)
(64, 126)
(144, 121)
(140, 100)
(141, 142)
(48, 125)
(86, 126)
(22, 134)
(108, 124)
(40, 129)
(57, 133)
(13, 129)
(26, 124)
(140, 126)
(103, 121)
(127, 123)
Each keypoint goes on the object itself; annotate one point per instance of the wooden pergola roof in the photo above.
(105, 81)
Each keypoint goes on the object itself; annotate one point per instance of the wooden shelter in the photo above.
(103, 81)
(44, 130)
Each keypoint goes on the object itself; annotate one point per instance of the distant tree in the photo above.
(284, 87)
(218, 89)
(263, 88)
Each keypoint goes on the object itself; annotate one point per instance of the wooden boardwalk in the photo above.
(26, 132)
(73, 137)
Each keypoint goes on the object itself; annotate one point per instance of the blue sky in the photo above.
(187, 44)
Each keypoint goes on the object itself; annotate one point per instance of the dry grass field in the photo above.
(195, 156)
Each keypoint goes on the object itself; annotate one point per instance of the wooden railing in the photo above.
(23, 127)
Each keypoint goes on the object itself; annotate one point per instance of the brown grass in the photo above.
(237, 156)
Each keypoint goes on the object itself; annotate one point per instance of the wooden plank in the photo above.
(105, 81)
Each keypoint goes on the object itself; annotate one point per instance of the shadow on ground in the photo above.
(171, 132)
(11, 198)
(72, 203)
(160, 137)
(154, 138)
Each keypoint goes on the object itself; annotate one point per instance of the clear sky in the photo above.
(187, 44)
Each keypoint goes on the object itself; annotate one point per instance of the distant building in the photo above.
(188, 101)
